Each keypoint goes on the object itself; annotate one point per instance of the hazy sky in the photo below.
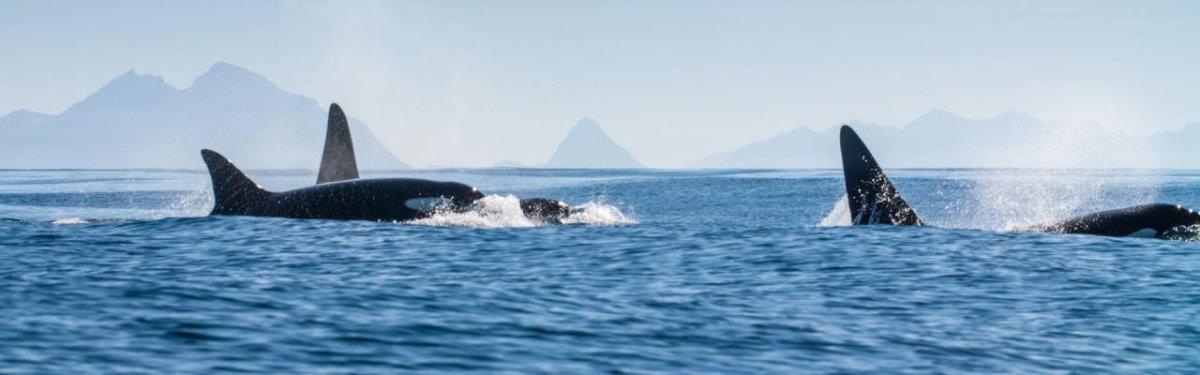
(469, 83)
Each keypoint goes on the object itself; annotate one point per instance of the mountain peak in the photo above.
(138, 121)
(132, 81)
(128, 90)
(25, 116)
(587, 127)
(588, 146)
(225, 75)
(23, 113)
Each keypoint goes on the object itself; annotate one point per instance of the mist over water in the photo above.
(722, 271)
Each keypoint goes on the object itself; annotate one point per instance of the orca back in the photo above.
(1149, 220)
(337, 161)
(872, 197)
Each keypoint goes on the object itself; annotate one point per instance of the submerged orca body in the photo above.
(340, 194)
(874, 200)
(1149, 220)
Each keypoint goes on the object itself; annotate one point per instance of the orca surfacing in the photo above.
(339, 193)
(874, 200)
(386, 199)
(1149, 220)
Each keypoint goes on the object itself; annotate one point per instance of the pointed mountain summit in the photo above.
(127, 91)
(25, 117)
(222, 76)
(588, 146)
(140, 121)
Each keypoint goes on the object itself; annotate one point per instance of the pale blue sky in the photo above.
(469, 83)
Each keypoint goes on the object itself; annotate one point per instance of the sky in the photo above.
(470, 83)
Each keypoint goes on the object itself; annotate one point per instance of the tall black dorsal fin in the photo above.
(873, 199)
(337, 162)
(233, 192)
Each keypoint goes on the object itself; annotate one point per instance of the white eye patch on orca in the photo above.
(426, 204)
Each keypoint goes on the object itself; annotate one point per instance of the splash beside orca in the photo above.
(874, 200)
(340, 193)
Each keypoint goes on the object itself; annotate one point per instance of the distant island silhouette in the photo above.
(139, 121)
(588, 146)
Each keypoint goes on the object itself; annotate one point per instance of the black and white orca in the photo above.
(874, 200)
(340, 193)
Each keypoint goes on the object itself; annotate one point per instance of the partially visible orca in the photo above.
(337, 159)
(874, 200)
(1149, 220)
(340, 194)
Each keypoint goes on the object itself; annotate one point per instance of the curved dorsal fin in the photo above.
(233, 192)
(337, 161)
(873, 199)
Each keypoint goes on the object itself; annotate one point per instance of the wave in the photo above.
(70, 221)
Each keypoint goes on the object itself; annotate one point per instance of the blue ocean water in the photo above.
(728, 271)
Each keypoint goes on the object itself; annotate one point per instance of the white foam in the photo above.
(492, 211)
(593, 213)
(839, 215)
(69, 221)
(504, 211)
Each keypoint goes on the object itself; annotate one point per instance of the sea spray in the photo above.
(595, 213)
(839, 215)
(504, 211)
(192, 203)
(1009, 200)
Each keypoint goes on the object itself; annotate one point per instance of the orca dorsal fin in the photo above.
(873, 199)
(233, 192)
(337, 161)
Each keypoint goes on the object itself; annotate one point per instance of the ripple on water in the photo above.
(720, 273)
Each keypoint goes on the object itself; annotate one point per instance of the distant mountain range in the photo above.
(588, 146)
(139, 121)
(942, 139)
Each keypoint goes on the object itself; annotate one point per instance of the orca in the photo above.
(874, 200)
(1156, 220)
(341, 195)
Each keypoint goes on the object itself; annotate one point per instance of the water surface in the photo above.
(729, 271)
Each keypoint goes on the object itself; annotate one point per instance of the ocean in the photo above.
(713, 271)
